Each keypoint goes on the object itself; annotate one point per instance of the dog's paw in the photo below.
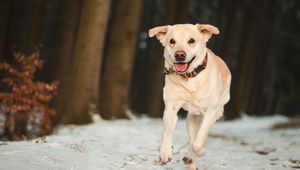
(192, 168)
(165, 155)
(190, 161)
(187, 160)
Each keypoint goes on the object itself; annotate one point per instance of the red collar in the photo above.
(191, 74)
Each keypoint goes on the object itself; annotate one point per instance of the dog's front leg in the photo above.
(169, 119)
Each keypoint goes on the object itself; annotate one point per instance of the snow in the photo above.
(247, 143)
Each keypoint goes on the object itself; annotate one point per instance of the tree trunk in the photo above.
(146, 56)
(33, 40)
(247, 64)
(264, 92)
(118, 66)
(16, 31)
(4, 11)
(228, 45)
(83, 79)
(65, 38)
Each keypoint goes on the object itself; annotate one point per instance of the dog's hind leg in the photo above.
(193, 122)
(209, 118)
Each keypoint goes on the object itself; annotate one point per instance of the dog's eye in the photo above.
(172, 41)
(191, 41)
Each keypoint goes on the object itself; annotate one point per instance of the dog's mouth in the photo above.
(182, 67)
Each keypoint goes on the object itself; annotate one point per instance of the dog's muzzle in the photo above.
(182, 67)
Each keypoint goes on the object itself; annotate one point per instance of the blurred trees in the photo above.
(4, 8)
(81, 88)
(34, 25)
(99, 49)
(252, 40)
(65, 42)
(120, 54)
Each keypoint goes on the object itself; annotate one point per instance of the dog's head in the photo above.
(184, 43)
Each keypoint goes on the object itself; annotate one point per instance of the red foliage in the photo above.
(23, 101)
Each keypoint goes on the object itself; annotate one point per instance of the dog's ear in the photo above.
(207, 30)
(159, 32)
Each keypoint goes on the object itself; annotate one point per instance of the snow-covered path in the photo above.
(248, 143)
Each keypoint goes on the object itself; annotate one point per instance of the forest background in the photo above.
(100, 53)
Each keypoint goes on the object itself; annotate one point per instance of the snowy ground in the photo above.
(248, 143)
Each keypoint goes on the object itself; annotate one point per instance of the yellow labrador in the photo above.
(196, 80)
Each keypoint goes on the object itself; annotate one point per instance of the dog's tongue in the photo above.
(181, 67)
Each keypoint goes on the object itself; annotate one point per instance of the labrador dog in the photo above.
(196, 80)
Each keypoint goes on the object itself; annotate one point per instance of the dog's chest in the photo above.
(194, 86)
(194, 109)
(196, 102)
(196, 97)
(193, 94)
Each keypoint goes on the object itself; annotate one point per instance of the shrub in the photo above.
(24, 110)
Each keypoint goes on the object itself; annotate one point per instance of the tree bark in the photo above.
(117, 71)
(83, 79)
(60, 63)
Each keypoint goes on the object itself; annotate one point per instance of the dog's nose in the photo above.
(180, 56)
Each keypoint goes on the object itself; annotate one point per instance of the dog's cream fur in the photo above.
(203, 96)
